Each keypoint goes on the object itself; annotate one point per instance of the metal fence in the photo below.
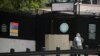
(56, 52)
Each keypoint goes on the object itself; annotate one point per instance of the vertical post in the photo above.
(11, 51)
(58, 49)
(78, 7)
(75, 7)
(43, 49)
(86, 46)
(91, 1)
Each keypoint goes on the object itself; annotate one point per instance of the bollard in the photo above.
(58, 49)
(86, 46)
(28, 50)
(12, 50)
(43, 49)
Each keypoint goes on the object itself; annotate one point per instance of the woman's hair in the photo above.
(78, 35)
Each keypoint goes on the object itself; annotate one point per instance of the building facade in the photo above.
(82, 1)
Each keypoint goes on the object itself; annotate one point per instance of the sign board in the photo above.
(14, 29)
(92, 31)
(63, 7)
(3, 28)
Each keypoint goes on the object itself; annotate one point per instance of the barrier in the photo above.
(43, 52)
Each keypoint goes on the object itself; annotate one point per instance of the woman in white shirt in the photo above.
(78, 40)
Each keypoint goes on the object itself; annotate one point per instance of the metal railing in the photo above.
(57, 52)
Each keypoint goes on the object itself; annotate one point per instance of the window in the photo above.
(83, 1)
(50, 1)
(89, 1)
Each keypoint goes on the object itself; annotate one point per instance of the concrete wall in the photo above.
(57, 40)
(18, 45)
(88, 9)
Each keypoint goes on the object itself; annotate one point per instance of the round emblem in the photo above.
(64, 27)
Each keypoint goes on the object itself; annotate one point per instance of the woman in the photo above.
(77, 43)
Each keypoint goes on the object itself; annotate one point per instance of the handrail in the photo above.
(52, 52)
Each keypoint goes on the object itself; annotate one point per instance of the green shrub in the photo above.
(23, 5)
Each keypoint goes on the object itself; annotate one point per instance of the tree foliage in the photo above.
(21, 4)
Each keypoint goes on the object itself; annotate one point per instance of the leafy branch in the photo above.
(23, 5)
